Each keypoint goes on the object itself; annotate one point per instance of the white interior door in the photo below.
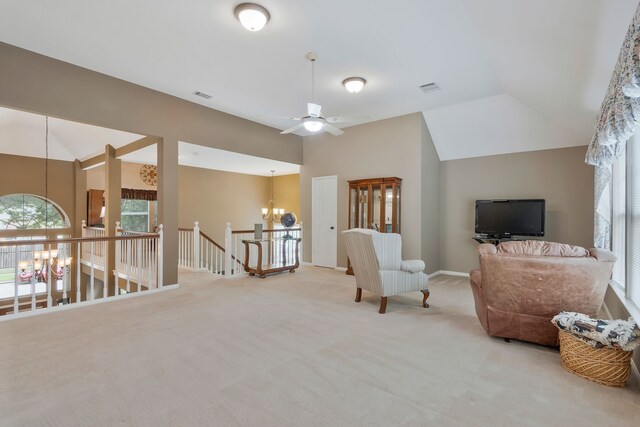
(324, 210)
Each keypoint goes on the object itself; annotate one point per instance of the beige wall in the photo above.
(559, 176)
(36, 83)
(214, 198)
(20, 174)
(431, 233)
(384, 148)
(286, 193)
(130, 176)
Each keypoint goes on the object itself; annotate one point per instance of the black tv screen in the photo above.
(503, 218)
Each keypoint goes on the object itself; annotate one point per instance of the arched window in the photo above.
(29, 212)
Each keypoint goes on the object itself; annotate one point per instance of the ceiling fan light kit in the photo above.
(312, 124)
(354, 84)
(252, 16)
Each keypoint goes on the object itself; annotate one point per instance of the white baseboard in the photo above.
(310, 264)
(65, 307)
(448, 273)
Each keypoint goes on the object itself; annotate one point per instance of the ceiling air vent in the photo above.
(429, 87)
(202, 95)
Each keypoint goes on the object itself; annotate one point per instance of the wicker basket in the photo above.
(608, 366)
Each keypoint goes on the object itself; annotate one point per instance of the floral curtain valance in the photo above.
(618, 120)
(136, 194)
(620, 111)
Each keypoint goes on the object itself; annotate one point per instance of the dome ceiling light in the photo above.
(252, 16)
(354, 84)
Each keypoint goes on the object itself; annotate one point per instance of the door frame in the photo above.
(334, 264)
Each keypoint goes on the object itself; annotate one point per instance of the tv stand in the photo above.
(493, 240)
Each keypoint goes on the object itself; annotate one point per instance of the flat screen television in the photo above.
(505, 218)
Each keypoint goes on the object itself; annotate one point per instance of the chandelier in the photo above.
(46, 265)
(271, 212)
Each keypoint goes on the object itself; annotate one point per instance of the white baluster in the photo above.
(301, 241)
(118, 244)
(49, 265)
(93, 275)
(227, 245)
(196, 246)
(32, 282)
(78, 271)
(149, 272)
(128, 264)
(160, 257)
(139, 263)
(16, 303)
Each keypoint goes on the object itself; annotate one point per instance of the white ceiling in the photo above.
(23, 134)
(211, 158)
(198, 156)
(552, 59)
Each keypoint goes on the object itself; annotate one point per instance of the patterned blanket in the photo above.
(599, 333)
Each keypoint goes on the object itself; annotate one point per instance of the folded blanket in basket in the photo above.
(599, 333)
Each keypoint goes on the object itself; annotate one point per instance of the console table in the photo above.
(263, 270)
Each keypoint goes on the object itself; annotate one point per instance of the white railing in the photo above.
(78, 273)
(197, 251)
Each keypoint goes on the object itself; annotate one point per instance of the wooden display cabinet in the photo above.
(374, 203)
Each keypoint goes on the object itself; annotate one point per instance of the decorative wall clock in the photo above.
(149, 174)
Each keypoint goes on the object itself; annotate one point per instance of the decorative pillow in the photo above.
(599, 333)
(540, 247)
(412, 266)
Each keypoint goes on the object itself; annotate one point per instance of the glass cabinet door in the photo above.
(353, 208)
(396, 219)
(376, 222)
(363, 207)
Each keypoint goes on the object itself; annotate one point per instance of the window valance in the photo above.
(136, 194)
(619, 115)
(618, 120)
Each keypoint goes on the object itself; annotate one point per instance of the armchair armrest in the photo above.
(412, 266)
(602, 255)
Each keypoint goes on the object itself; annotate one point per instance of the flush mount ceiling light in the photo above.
(252, 16)
(354, 84)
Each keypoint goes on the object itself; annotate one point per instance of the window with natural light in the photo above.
(28, 212)
(135, 215)
(625, 222)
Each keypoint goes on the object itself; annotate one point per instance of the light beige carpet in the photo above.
(290, 350)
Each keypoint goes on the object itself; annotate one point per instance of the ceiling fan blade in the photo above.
(291, 129)
(333, 130)
(314, 110)
(344, 119)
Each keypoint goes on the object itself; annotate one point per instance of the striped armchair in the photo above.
(378, 266)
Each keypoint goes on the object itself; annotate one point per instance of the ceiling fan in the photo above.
(314, 122)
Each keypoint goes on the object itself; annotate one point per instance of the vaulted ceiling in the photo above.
(515, 75)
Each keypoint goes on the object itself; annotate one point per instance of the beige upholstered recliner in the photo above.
(521, 285)
(378, 266)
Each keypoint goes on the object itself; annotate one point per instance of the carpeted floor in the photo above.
(290, 350)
